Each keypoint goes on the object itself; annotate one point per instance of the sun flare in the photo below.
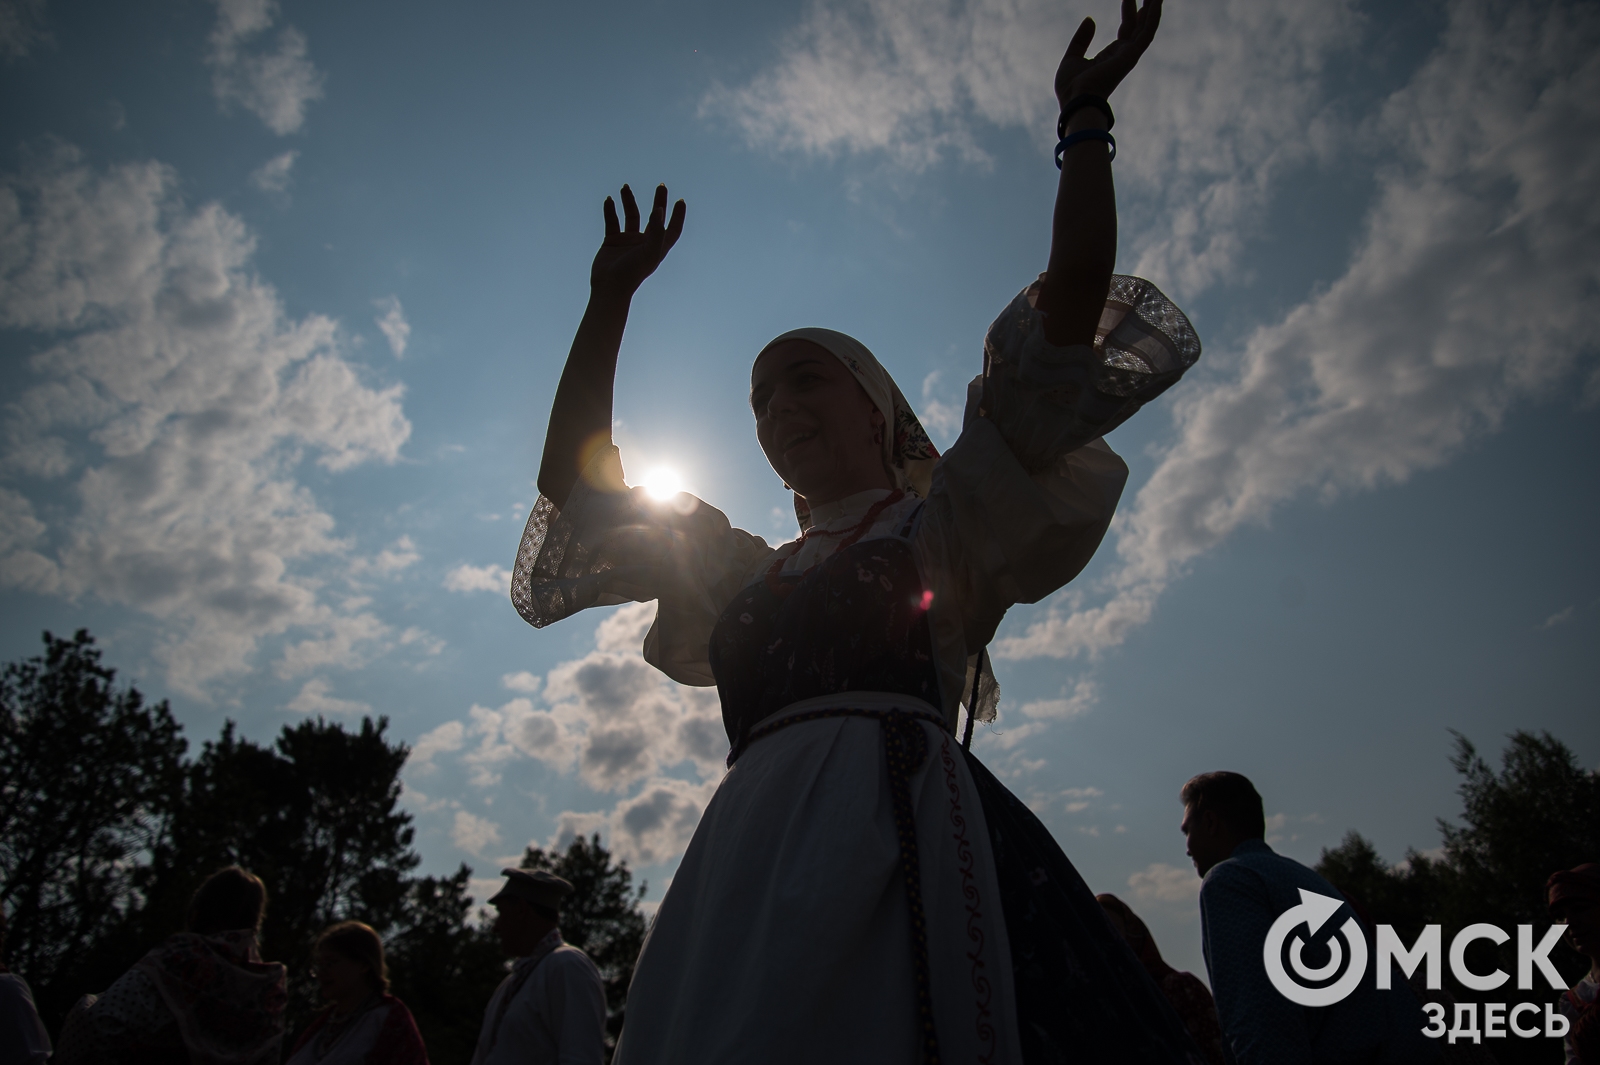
(663, 482)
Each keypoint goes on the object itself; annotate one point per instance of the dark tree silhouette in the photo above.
(602, 917)
(106, 830)
(444, 967)
(89, 782)
(1538, 814)
(315, 816)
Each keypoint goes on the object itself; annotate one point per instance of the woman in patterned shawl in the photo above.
(859, 888)
(204, 996)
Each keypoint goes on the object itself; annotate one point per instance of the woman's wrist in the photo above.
(1085, 118)
(609, 298)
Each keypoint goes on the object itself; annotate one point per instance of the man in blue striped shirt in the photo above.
(1247, 886)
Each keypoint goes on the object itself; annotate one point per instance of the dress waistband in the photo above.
(880, 705)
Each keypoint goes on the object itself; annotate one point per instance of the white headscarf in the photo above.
(907, 451)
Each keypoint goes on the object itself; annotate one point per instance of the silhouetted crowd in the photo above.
(206, 995)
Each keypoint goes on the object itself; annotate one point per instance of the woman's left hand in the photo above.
(1079, 75)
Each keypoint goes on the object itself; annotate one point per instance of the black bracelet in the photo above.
(1085, 135)
(1077, 103)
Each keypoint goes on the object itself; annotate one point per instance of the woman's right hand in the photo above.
(627, 256)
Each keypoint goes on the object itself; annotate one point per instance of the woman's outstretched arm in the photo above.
(580, 417)
(1083, 240)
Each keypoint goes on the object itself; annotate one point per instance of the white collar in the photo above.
(848, 509)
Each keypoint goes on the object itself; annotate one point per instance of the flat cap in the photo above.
(536, 886)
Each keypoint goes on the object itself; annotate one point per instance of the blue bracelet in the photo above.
(1084, 135)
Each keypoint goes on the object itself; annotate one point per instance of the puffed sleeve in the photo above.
(1022, 499)
(611, 544)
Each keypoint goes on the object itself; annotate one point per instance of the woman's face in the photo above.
(341, 980)
(816, 424)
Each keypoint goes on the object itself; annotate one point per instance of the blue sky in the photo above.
(285, 289)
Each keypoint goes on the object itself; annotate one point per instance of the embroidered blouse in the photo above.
(1018, 505)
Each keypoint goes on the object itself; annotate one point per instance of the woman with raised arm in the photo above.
(860, 888)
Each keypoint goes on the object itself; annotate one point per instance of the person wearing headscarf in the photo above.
(362, 1023)
(1574, 897)
(859, 887)
(1189, 997)
(202, 996)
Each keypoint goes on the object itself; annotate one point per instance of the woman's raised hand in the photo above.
(1079, 75)
(627, 256)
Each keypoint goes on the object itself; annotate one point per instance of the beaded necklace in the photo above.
(782, 588)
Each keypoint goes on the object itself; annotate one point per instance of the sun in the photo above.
(663, 482)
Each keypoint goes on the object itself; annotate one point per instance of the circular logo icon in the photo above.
(1313, 912)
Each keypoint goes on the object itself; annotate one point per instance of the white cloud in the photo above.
(424, 639)
(493, 727)
(472, 833)
(314, 699)
(180, 399)
(393, 323)
(343, 646)
(941, 420)
(1227, 98)
(571, 825)
(657, 824)
(1084, 695)
(1560, 617)
(398, 556)
(522, 681)
(1067, 800)
(1473, 289)
(1007, 738)
(620, 726)
(1159, 882)
(490, 578)
(446, 737)
(273, 176)
(21, 28)
(622, 632)
(277, 85)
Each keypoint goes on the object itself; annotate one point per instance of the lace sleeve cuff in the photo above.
(569, 558)
(1048, 400)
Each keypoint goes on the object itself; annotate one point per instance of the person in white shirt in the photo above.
(551, 1007)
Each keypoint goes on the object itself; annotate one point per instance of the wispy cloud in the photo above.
(616, 723)
(1160, 882)
(276, 84)
(314, 698)
(1085, 693)
(472, 833)
(443, 739)
(396, 330)
(1473, 288)
(1228, 98)
(468, 578)
(22, 28)
(178, 397)
(273, 176)
(522, 681)
(1560, 617)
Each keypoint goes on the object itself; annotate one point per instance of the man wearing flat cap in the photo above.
(551, 1007)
